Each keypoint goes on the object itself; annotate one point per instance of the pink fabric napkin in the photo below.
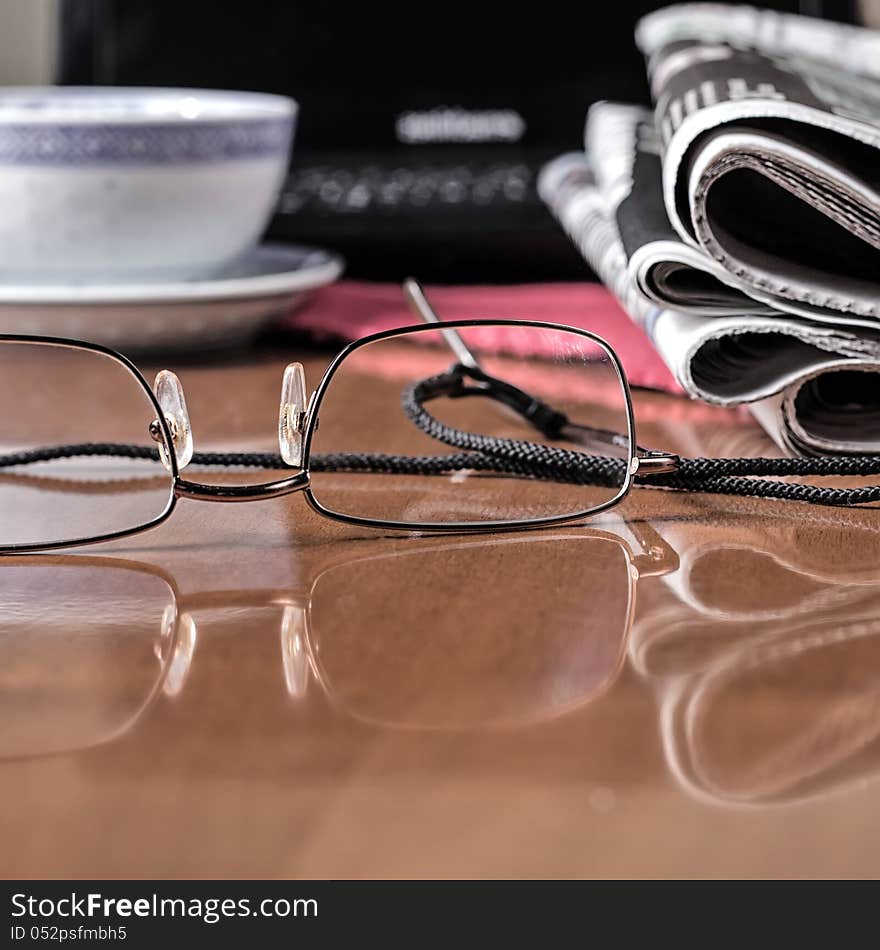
(350, 309)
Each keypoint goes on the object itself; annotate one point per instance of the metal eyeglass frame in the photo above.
(639, 461)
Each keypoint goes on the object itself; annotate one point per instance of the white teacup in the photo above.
(135, 184)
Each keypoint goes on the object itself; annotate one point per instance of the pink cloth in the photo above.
(352, 309)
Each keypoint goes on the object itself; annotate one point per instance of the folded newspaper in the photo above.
(739, 223)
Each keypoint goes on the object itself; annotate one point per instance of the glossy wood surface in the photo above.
(688, 685)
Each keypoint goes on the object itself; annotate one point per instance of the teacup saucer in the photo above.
(189, 314)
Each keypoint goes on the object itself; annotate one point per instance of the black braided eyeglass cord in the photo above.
(721, 476)
(481, 453)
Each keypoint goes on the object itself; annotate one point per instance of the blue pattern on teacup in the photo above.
(153, 143)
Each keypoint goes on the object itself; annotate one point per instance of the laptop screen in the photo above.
(368, 76)
(421, 129)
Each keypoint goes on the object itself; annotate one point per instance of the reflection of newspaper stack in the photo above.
(740, 224)
(718, 662)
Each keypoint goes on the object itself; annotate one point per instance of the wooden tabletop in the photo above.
(687, 685)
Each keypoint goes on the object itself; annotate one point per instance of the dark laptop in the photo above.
(421, 129)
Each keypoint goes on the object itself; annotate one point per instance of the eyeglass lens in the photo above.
(537, 430)
(62, 406)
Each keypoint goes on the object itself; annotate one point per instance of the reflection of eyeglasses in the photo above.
(540, 427)
(85, 646)
(121, 634)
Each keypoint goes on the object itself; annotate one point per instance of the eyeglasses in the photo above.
(467, 425)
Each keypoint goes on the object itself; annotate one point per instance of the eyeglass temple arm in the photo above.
(543, 417)
(547, 420)
(418, 302)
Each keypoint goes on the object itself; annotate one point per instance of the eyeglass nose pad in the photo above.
(292, 415)
(169, 395)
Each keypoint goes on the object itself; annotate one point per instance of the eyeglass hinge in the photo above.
(655, 463)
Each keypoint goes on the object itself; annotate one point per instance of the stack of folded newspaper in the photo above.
(740, 222)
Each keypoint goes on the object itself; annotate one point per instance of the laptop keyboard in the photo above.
(372, 189)
(462, 214)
